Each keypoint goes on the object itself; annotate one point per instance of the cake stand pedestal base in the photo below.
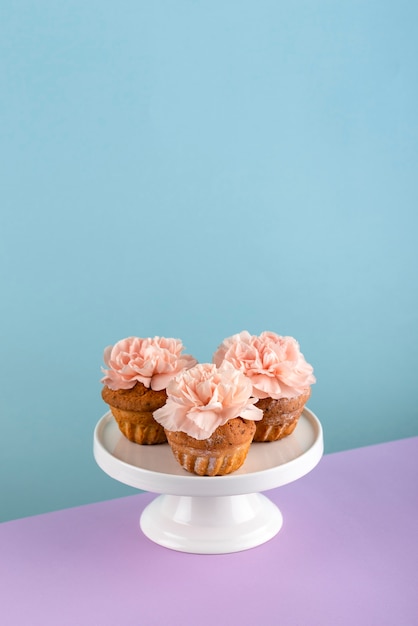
(211, 525)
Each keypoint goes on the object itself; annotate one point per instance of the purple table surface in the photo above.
(347, 555)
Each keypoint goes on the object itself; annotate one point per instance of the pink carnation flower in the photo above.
(274, 364)
(205, 397)
(151, 361)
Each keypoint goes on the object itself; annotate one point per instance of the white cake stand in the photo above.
(209, 514)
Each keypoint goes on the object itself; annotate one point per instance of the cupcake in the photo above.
(281, 378)
(209, 418)
(138, 372)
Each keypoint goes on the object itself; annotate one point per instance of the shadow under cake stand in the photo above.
(209, 514)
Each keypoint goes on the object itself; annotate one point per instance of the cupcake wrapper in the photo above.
(139, 426)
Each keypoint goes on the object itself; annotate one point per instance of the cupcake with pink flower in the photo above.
(280, 376)
(209, 418)
(135, 380)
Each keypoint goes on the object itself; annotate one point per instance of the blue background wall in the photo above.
(193, 169)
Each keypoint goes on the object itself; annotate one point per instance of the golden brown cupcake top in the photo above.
(139, 398)
(234, 433)
(271, 406)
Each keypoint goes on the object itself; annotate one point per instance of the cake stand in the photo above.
(209, 514)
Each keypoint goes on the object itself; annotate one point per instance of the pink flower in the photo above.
(151, 361)
(274, 364)
(205, 397)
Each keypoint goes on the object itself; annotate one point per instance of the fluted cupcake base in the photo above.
(139, 426)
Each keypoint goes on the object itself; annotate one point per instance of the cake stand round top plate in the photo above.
(154, 468)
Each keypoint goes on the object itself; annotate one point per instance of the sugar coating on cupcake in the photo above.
(137, 374)
(280, 376)
(209, 418)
